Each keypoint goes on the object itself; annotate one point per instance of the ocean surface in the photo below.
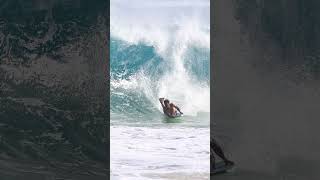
(160, 50)
(53, 111)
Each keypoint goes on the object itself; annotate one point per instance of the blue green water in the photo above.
(159, 49)
(145, 144)
(137, 69)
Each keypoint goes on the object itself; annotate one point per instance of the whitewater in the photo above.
(159, 49)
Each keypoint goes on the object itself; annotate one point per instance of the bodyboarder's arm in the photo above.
(178, 109)
(161, 102)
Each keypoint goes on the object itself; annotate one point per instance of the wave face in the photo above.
(149, 60)
(159, 49)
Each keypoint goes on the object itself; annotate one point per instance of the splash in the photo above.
(160, 50)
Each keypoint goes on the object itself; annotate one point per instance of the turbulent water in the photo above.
(53, 88)
(160, 51)
(139, 76)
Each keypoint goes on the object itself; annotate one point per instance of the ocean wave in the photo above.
(148, 60)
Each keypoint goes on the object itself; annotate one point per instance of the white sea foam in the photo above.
(171, 27)
(163, 150)
(141, 152)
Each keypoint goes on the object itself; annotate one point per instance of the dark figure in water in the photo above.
(218, 150)
(169, 109)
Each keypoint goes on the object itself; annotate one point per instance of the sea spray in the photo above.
(152, 60)
(159, 49)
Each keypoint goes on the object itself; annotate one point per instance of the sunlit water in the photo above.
(159, 49)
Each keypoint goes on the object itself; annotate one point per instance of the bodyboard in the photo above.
(176, 116)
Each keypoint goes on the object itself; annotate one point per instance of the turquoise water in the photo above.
(160, 50)
(137, 75)
(145, 144)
